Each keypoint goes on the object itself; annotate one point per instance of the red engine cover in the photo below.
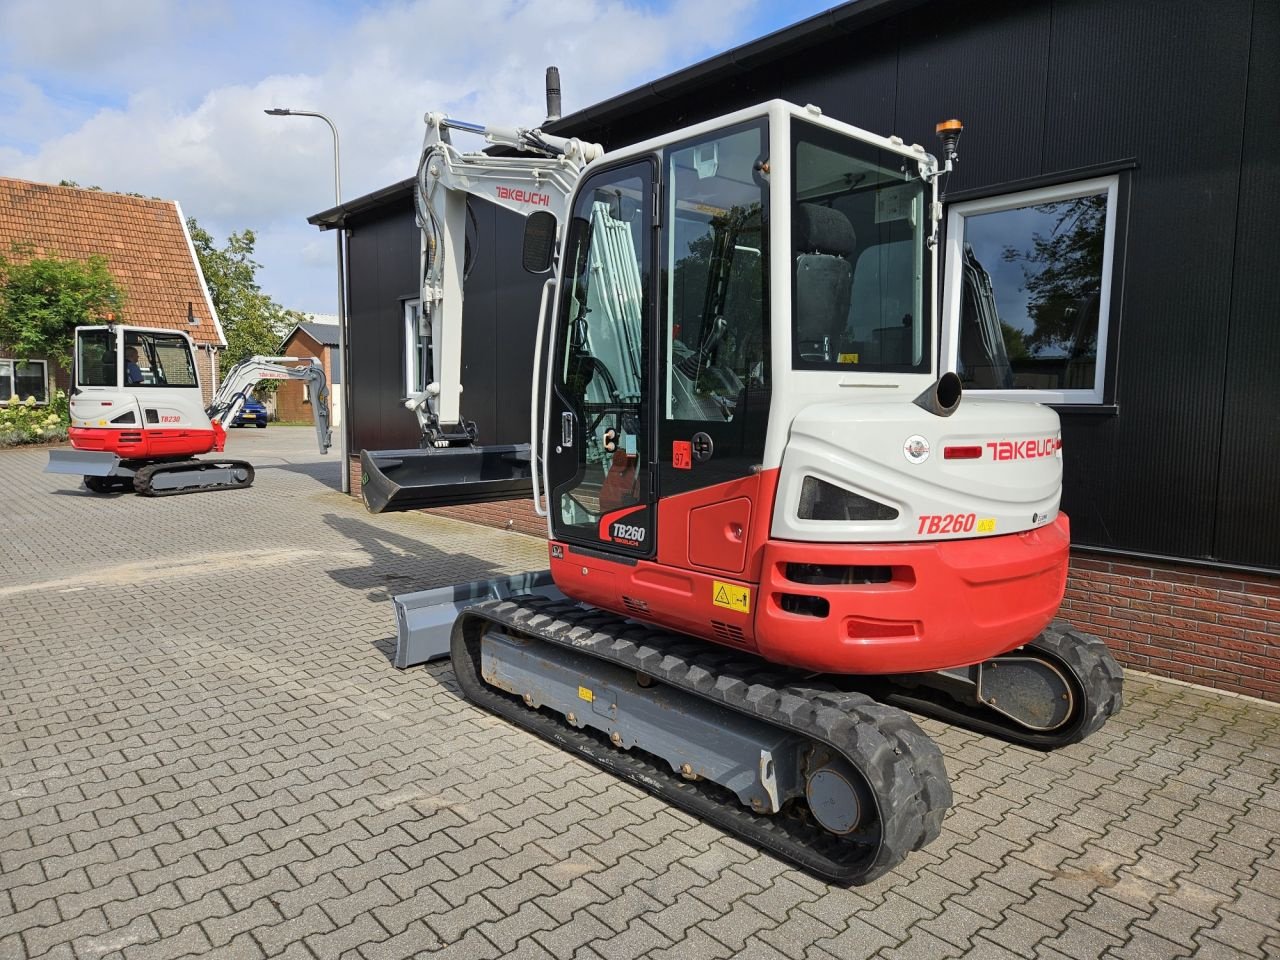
(925, 605)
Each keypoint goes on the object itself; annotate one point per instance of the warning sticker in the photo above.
(731, 596)
(846, 358)
(585, 694)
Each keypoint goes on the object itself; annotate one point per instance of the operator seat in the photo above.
(824, 242)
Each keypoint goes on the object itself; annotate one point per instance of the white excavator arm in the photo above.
(521, 183)
(241, 378)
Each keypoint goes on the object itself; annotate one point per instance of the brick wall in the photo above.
(289, 403)
(1220, 629)
(1217, 629)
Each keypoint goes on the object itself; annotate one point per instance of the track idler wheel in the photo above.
(108, 484)
(1053, 691)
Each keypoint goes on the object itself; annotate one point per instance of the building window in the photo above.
(417, 349)
(1028, 291)
(24, 378)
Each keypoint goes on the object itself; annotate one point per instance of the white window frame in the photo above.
(950, 345)
(412, 315)
(12, 364)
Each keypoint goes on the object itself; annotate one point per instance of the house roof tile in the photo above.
(145, 243)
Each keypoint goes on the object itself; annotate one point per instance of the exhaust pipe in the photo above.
(553, 94)
(943, 397)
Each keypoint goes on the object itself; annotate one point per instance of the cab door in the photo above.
(714, 349)
(599, 441)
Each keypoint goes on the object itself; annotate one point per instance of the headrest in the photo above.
(822, 230)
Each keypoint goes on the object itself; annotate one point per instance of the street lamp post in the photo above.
(342, 299)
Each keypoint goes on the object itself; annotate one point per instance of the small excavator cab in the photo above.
(125, 358)
(95, 357)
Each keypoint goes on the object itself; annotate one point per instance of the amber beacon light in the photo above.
(949, 133)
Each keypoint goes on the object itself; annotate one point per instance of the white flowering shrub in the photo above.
(24, 421)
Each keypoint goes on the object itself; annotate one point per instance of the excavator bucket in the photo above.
(393, 480)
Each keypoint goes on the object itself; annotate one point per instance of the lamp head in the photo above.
(278, 111)
(949, 133)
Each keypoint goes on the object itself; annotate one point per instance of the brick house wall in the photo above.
(290, 404)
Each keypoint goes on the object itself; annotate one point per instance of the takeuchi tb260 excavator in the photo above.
(138, 419)
(772, 523)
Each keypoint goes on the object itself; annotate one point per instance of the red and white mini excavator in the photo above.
(772, 522)
(138, 419)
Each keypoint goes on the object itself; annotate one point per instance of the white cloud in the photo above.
(186, 121)
(80, 36)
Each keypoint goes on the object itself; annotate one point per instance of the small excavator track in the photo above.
(170, 478)
(901, 767)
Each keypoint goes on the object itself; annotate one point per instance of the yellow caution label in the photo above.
(987, 525)
(585, 694)
(846, 358)
(731, 596)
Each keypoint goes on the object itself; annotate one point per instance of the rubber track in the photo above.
(900, 763)
(1099, 684)
(142, 478)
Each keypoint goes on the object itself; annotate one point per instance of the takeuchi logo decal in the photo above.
(1023, 449)
(524, 196)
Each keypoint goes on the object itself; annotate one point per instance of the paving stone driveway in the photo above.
(204, 750)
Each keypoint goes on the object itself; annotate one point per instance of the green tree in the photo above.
(1015, 342)
(43, 299)
(1062, 273)
(252, 321)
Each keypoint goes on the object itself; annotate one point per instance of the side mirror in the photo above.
(539, 241)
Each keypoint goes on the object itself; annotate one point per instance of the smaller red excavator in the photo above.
(138, 419)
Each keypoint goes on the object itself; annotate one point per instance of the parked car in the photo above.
(253, 413)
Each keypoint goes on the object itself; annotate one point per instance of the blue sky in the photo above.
(165, 97)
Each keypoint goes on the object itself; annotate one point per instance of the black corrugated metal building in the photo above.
(1154, 124)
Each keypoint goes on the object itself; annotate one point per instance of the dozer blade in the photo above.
(393, 480)
(424, 620)
(84, 463)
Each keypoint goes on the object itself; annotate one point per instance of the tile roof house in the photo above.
(147, 248)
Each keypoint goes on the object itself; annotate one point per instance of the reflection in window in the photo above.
(170, 359)
(95, 358)
(717, 317)
(1033, 273)
(20, 379)
(417, 350)
(859, 224)
(602, 376)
